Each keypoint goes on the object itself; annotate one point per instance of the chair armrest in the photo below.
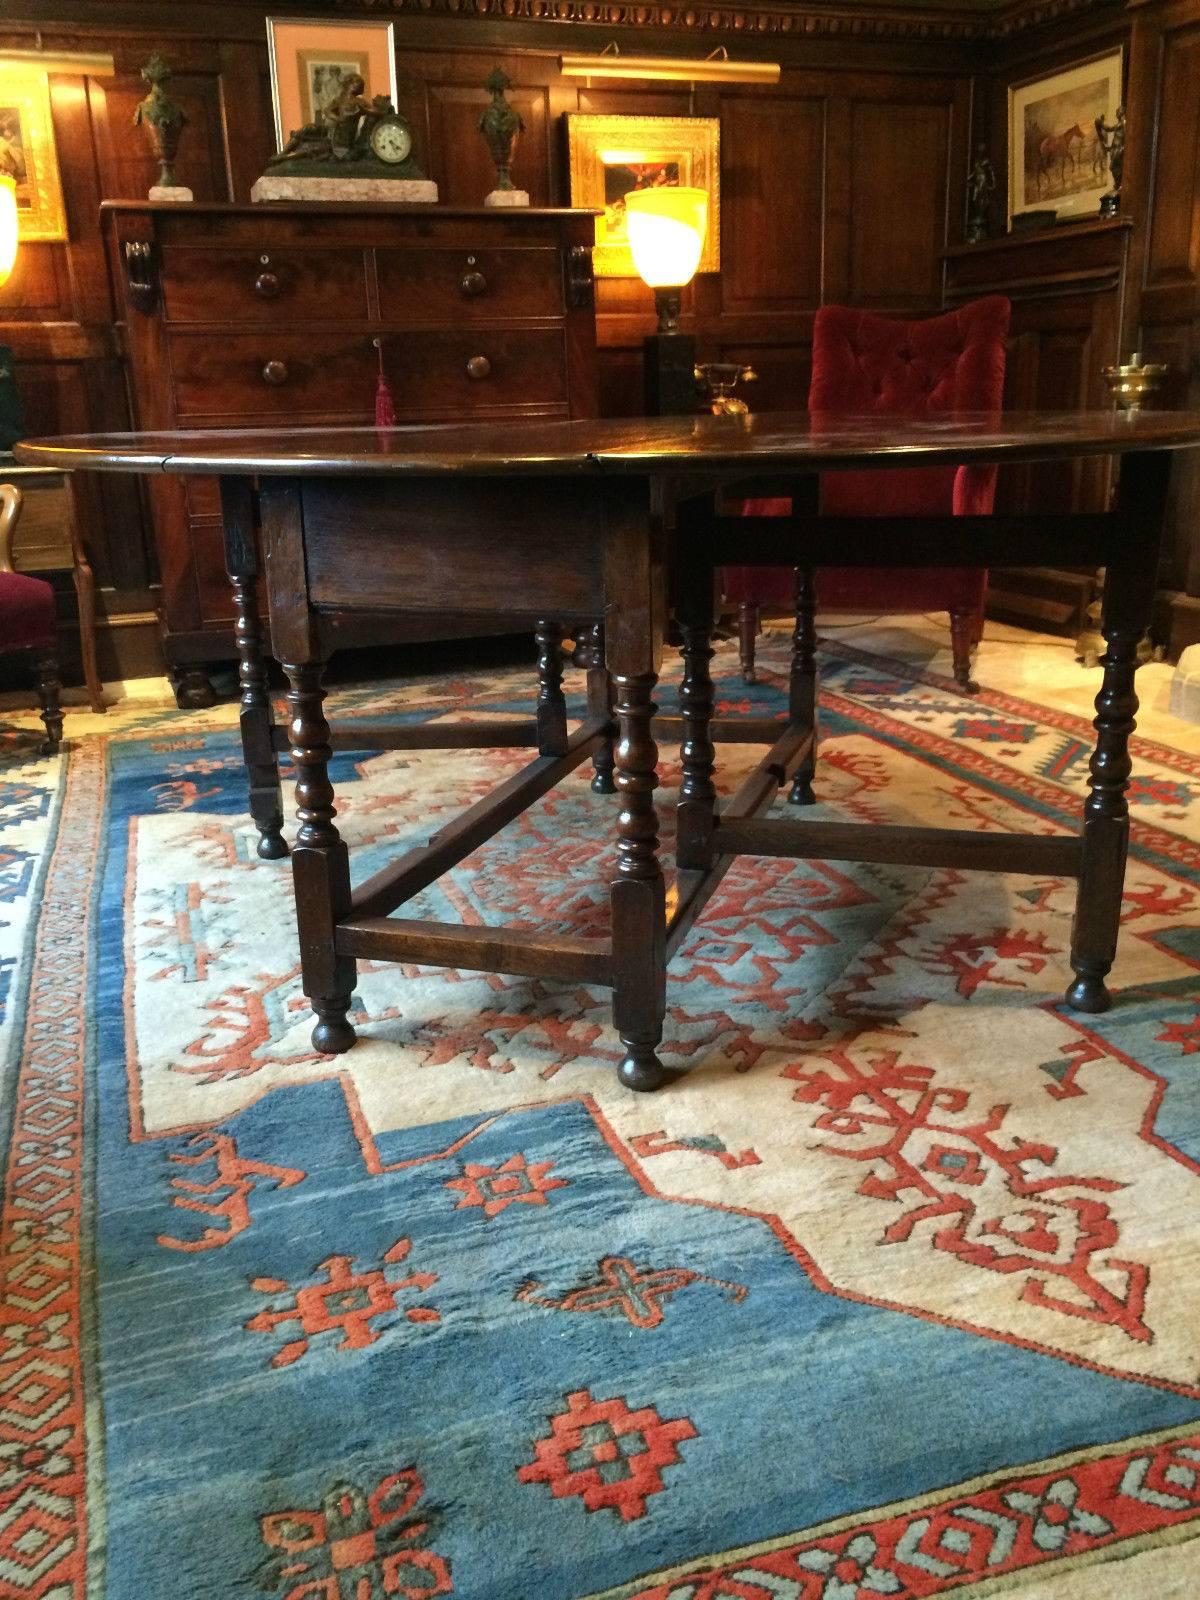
(10, 510)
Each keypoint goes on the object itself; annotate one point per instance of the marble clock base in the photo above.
(397, 191)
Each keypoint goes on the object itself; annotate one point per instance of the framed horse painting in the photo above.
(1059, 135)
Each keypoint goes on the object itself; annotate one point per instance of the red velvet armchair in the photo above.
(27, 620)
(863, 364)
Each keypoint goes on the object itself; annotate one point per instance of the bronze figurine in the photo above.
(162, 119)
(354, 136)
(1111, 138)
(981, 185)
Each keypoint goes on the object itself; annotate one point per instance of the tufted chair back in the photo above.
(864, 364)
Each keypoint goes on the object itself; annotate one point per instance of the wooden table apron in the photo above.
(555, 548)
(561, 521)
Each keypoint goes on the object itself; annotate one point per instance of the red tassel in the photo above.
(385, 406)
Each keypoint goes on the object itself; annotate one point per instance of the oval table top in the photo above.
(762, 442)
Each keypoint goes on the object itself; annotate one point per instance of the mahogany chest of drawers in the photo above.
(246, 316)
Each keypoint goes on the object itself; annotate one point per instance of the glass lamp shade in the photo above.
(8, 227)
(666, 230)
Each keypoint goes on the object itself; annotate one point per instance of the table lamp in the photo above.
(8, 227)
(666, 228)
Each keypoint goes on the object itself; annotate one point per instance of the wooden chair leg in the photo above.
(802, 683)
(600, 704)
(963, 638)
(748, 620)
(49, 690)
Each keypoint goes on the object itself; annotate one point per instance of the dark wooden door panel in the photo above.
(773, 174)
(899, 155)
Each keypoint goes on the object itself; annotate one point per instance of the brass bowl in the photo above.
(1131, 381)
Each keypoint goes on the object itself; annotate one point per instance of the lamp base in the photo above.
(669, 368)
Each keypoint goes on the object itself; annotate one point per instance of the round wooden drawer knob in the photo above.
(266, 285)
(275, 373)
(473, 283)
(479, 367)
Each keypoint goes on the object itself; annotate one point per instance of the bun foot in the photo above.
(641, 1069)
(801, 792)
(272, 847)
(332, 1034)
(603, 783)
(749, 676)
(1088, 994)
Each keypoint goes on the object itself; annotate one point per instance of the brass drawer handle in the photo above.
(479, 367)
(266, 285)
(275, 373)
(473, 284)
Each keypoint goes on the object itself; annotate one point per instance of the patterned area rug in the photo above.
(891, 1294)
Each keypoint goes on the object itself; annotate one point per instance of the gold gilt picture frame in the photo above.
(611, 155)
(1055, 155)
(28, 155)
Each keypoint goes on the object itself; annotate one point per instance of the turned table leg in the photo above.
(697, 809)
(748, 623)
(638, 897)
(551, 703)
(802, 683)
(600, 706)
(320, 864)
(257, 721)
(1128, 602)
(635, 608)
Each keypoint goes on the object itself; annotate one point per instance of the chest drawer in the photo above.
(265, 286)
(442, 285)
(452, 374)
(274, 375)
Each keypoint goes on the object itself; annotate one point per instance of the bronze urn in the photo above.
(501, 127)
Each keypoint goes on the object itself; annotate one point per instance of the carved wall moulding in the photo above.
(971, 22)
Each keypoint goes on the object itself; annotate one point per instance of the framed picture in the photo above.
(1056, 159)
(609, 156)
(27, 152)
(311, 59)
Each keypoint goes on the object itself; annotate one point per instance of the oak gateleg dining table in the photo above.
(620, 520)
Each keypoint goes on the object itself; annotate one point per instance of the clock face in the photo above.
(392, 141)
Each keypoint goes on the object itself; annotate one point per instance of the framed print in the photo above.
(609, 156)
(311, 59)
(27, 152)
(1056, 158)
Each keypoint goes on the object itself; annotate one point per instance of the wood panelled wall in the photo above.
(844, 182)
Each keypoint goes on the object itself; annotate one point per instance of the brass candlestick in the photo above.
(1129, 383)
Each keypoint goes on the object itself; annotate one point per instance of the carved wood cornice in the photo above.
(979, 21)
